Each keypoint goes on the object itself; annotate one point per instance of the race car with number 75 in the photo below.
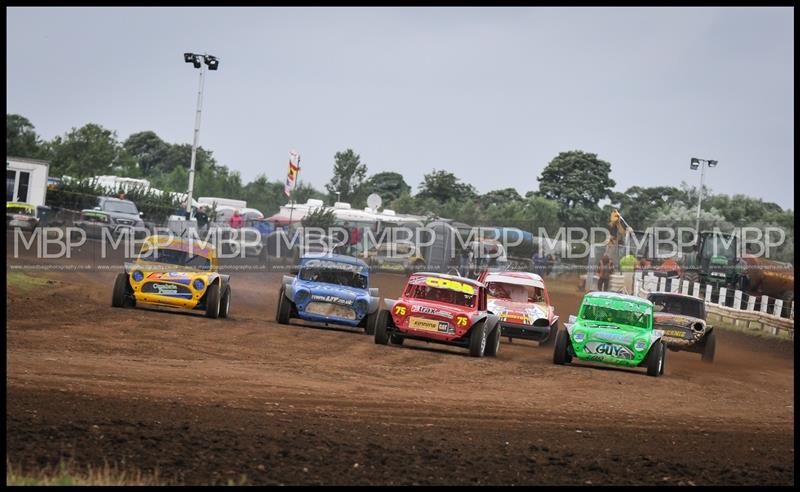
(443, 309)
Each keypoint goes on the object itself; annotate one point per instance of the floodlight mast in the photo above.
(213, 64)
(694, 164)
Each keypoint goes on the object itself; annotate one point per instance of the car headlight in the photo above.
(138, 276)
(579, 336)
(301, 295)
(198, 284)
(360, 305)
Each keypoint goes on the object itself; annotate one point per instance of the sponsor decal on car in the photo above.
(426, 324)
(333, 265)
(611, 336)
(178, 277)
(331, 299)
(516, 317)
(608, 349)
(432, 311)
(444, 283)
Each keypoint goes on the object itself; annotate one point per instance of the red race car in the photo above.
(442, 309)
(521, 301)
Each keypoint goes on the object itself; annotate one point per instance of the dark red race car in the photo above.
(441, 309)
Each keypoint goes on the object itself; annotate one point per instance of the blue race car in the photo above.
(331, 289)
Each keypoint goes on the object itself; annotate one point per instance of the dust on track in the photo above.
(204, 401)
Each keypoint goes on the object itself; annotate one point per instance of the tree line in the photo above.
(571, 186)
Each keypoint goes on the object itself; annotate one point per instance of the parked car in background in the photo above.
(123, 214)
(394, 257)
(21, 216)
(94, 222)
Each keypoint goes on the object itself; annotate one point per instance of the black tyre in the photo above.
(655, 359)
(213, 301)
(284, 308)
(710, 347)
(371, 320)
(561, 353)
(493, 340)
(381, 332)
(121, 297)
(397, 339)
(225, 303)
(477, 339)
(551, 337)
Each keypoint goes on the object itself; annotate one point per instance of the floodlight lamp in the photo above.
(695, 163)
(712, 163)
(188, 57)
(212, 62)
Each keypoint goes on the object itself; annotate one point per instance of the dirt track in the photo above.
(210, 400)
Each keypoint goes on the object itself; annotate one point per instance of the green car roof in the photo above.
(618, 301)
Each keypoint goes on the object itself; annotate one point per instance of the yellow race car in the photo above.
(176, 273)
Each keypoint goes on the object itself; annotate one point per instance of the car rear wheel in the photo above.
(655, 359)
(381, 333)
(561, 353)
(493, 341)
(225, 303)
(212, 301)
(121, 297)
(284, 308)
(710, 347)
(477, 339)
(551, 337)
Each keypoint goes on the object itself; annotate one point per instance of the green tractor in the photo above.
(714, 261)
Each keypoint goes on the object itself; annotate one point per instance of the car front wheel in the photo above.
(284, 308)
(655, 359)
(477, 340)
(225, 303)
(493, 341)
(381, 332)
(212, 301)
(369, 325)
(121, 297)
(710, 347)
(561, 353)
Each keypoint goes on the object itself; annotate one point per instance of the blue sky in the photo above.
(492, 94)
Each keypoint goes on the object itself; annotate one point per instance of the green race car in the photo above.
(613, 329)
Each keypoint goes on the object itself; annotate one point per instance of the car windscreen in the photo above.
(448, 296)
(608, 315)
(678, 305)
(334, 276)
(170, 256)
(514, 292)
(120, 207)
(19, 210)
